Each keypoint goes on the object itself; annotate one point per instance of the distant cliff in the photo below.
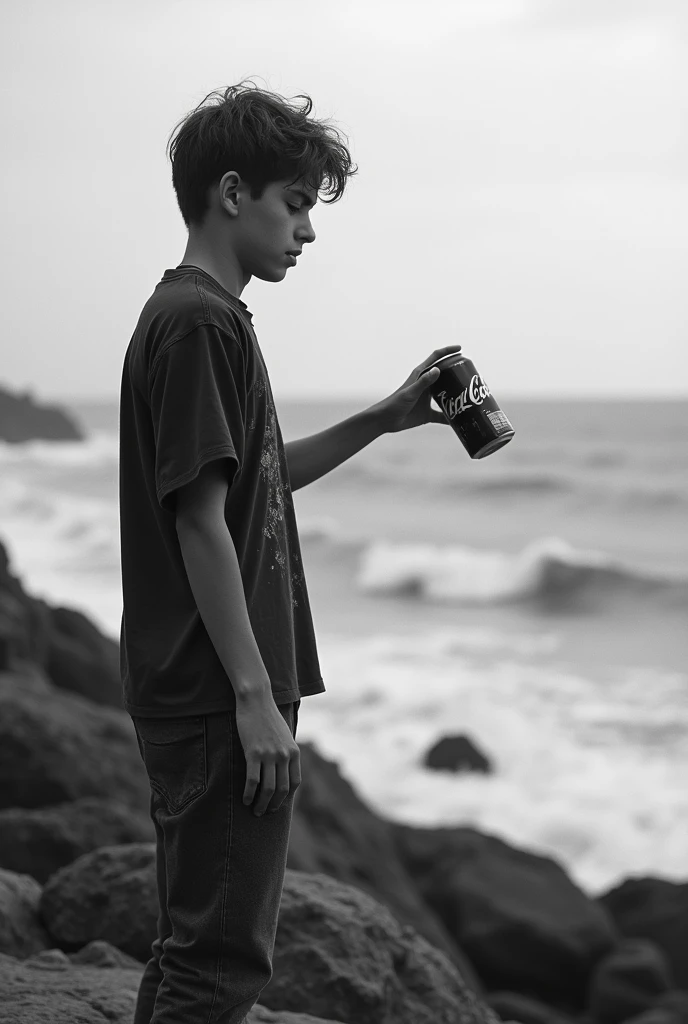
(21, 419)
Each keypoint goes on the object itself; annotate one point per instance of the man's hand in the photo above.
(409, 405)
(273, 758)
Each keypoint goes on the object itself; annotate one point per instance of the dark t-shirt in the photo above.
(195, 388)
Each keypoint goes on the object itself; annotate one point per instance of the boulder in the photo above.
(520, 919)
(82, 660)
(110, 894)
(24, 621)
(457, 754)
(52, 988)
(63, 642)
(56, 746)
(21, 932)
(655, 909)
(38, 841)
(355, 962)
(24, 419)
(628, 981)
(334, 832)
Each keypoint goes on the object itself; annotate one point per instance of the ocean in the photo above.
(535, 601)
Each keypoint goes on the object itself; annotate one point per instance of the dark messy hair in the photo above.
(262, 137)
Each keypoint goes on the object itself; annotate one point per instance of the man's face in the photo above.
(268, 228)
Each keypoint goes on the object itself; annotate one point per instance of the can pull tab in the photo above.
(450, 359)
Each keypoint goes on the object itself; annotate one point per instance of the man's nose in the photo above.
(307, 234)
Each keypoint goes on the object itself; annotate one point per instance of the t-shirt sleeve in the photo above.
(198, 401)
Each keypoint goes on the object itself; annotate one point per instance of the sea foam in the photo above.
(588, 768)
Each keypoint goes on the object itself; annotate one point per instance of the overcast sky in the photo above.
(522, 187)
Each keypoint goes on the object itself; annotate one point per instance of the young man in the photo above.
(217, 641)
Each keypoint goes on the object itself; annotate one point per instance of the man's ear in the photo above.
(231, 188)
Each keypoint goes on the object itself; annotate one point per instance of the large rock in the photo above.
(108, 894)
(334, 832)
(25, 622)
(628, 981)
(56, 746)
(51, 990)
(39, 841)
(21, 932)
(82, 660)
(360, 964)
(655, 909)
(356, 962)
(89, 987)
(23, 419)
(63, 642)
(521, 920)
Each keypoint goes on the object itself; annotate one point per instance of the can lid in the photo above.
(444, 361)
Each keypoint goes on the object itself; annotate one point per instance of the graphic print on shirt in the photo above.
(270, 472)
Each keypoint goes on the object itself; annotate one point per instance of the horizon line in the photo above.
(312, 397)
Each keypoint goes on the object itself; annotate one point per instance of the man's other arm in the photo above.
(214, 575)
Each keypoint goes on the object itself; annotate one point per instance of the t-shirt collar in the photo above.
(233, 298)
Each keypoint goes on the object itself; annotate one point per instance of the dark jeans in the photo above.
(220, 871)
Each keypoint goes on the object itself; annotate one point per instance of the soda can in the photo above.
(469, 406)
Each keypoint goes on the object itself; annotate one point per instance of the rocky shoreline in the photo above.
(393, 924)
(23, 419)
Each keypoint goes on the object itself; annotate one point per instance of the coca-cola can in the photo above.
(469, 406)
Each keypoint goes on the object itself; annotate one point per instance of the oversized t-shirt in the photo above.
(195, 388)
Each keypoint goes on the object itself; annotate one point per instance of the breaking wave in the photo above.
(548, 570)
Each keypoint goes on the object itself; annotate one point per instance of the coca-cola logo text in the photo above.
(475, 394)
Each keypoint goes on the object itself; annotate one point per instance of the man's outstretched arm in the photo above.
(311, 457)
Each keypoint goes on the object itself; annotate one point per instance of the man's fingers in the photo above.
(438, 353)
(281, 786)
(252, 779)
(295, 772)
(267, 787)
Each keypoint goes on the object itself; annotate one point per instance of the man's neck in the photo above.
(224, 268)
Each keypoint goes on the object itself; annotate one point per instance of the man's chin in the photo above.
(276, 274)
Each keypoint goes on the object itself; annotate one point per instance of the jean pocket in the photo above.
(174, 753)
